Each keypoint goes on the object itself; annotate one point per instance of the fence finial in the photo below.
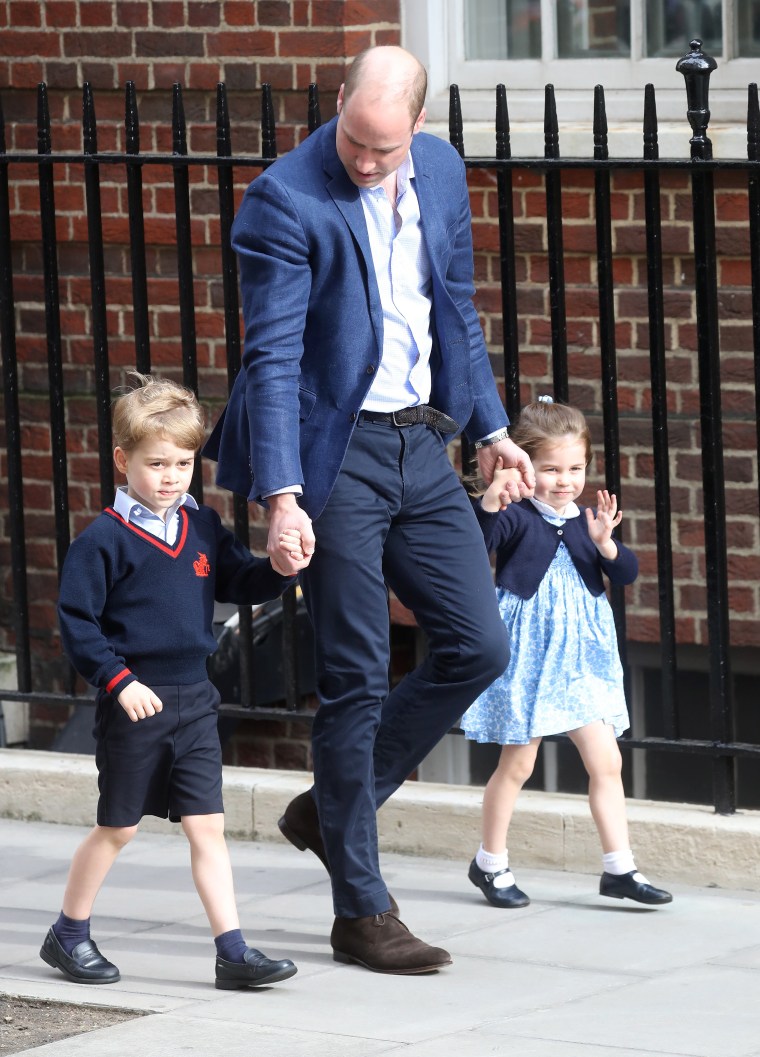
(696, 68)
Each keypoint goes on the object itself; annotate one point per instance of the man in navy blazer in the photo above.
(363, 356)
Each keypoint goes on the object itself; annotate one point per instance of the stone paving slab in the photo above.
(572, 975)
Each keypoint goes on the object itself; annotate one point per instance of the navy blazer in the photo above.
(314, 325)
(525, 545)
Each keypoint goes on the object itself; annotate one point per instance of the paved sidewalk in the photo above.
(573, 975)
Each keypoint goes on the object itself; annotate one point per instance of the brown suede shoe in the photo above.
(384, 944)
(300, 825)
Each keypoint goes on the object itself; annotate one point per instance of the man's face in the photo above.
(373, 141)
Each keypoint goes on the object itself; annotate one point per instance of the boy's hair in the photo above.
(157, 406)
(545, 422)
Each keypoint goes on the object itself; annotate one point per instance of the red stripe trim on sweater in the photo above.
(171, 551)
(117, 679)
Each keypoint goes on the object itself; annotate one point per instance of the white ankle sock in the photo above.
(490, 863)
(618, 862)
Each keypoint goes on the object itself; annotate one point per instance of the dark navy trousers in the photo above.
(397, 515)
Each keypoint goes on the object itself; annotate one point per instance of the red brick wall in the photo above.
(290, 43)
(634, 395)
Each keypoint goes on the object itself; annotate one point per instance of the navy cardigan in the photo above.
(525, 545)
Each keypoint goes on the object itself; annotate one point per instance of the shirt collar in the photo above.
(128, 507)
(571, 510)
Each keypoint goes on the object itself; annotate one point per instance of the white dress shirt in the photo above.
(135, 511)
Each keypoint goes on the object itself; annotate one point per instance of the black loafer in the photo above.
(85, 964)
(255, 971)
(509, 897)
(632, 886)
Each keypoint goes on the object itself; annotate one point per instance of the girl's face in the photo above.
(560, 472)
(157, 472)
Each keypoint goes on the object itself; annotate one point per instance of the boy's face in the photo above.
(157, 472)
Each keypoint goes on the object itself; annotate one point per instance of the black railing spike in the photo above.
(179, 128)
(268, 129)
(753, 123)
(551, 127)
(456, 128)
(651, 142)
(503, 145)
(89, 124)
(314, 114)
(696, 68)
(2, 128)
(44, 141)
(601, 147)
(131, 119)
(223, 134)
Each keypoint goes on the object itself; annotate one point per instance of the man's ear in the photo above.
(419, 122)
(340, 98)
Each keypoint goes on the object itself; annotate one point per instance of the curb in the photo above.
(672, 842)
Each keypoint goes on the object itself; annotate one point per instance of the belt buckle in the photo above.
(395, 421)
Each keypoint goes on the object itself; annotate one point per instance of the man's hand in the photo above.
(285, 518)
(139, 701)
(511, 457)
(496, 497)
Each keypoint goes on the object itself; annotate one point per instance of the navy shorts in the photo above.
(167, 765)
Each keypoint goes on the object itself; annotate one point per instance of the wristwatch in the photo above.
(486, 442)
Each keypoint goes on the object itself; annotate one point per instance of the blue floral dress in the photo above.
(564, 669)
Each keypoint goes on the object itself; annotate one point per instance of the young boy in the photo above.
(136, 606)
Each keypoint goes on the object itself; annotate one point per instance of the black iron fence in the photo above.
(721, 746)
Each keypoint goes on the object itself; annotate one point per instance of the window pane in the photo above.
(748, 28)
(671, 24)
(503, 29)
(593, 29)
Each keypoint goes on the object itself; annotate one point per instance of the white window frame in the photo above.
(434, 31)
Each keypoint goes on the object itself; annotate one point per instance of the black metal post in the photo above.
(225, 181)
(185, 262)
(606, 288)
(753, 153)
(510, 339)
(98, 297)
(660, 451)
(456, 138)
(140, 314)
(20, 608)
(555, 247)
(53, 329)
(696, 68)
(314, 115)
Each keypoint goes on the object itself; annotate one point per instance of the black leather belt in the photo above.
(420, 414)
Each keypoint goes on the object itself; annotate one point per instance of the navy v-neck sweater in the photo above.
(133, 607)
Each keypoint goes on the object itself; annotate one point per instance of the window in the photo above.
(575, 44)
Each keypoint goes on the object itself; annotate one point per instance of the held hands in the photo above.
(291, 538)
(139, 701)
(497, 496)
(508, 457)
(600, 527)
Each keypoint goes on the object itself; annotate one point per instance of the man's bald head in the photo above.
(387, 74)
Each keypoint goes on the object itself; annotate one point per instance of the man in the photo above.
(363, 355)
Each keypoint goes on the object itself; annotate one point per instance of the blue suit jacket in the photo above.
(313, 319)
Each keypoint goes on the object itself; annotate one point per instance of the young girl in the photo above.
(564, 673)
